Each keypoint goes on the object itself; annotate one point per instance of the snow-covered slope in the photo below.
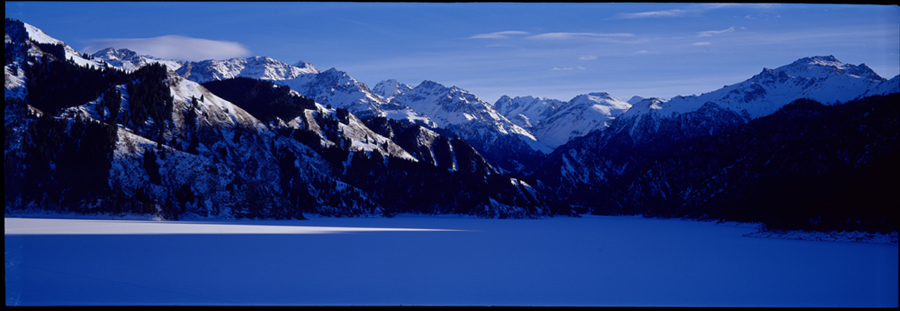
(821, 78)
(361, 138)
(527, 111)
(257, 67)
(238, 166)
(235, 151)
(338, 89)
(129, 60)
(885, 87)
(38, 36)
(635, 99)
(22, 40)
(501, 141)
(554, 122)
(426, 146)
(14, 82)
(331, 87)
(388, 89)
(581, 115)
(653, 124)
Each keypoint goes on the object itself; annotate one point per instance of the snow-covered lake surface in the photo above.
(422, 260)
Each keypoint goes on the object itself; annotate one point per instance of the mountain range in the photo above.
(257, 137)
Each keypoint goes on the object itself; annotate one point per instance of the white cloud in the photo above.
(175, 47)
(588, 57)
(645, 52)
(499, 35)
(653, 14)
(709, 33)
(701, 43)
(576, 35)
(568, 68)
(693, 10)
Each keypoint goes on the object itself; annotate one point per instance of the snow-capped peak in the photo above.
(306, 67)
(611, 105)
(457, 110)
(527, 111)
(114, 53)
(40, 36)
(579, 116)
(257, 67)
(129, 60)
(635, 99)
(390, 88)
(23, 33)
(824, 66)
(604, 95)
(820, 78)
(645, 105)
(429, 85)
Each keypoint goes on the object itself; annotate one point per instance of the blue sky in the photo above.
(492, 49)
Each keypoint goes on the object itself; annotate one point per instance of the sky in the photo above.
(553, 50)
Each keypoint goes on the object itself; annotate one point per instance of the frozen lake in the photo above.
(590, 261)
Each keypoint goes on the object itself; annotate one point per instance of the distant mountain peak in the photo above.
(824, 60)
(599, 98)
(428, 84)
(115, 52)
(391, 88)
(823, 66)
(635, 99)
(600, 94)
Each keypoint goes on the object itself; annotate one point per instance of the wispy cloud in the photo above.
(710, 33)
(175, 47)
(499, 35)
(645, 52)
(576, 35)
(588, 57)
(500, 45)
(701, 43)
(693, 10)
(654, 14)
(568, 68)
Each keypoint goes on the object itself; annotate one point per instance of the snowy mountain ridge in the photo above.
(654, 123)
(274, 140)
(129, 60)
(388, 89)
(337, 89)
(173, 147)
(361, 138)
(555, 122)
(821, 78)
(257, 67)
(526, 111)
(461, 112)
(581, 115)
(824, 66)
